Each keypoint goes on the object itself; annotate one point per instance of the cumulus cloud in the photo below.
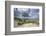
(32, 13)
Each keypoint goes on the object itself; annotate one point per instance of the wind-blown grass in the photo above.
(25, 21)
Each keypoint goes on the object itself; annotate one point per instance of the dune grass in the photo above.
(25, 21)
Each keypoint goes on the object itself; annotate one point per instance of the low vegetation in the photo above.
(24, 21)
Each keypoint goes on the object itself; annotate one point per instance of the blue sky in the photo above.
(26, 13)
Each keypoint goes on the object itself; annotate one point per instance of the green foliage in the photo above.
(24, 21)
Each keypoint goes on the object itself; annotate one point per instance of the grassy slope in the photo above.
(25, 21)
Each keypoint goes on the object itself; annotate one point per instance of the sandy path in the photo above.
(28, 25)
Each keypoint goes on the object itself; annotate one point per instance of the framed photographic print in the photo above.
(24, 17)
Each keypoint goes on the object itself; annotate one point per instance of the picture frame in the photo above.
(12, 16)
